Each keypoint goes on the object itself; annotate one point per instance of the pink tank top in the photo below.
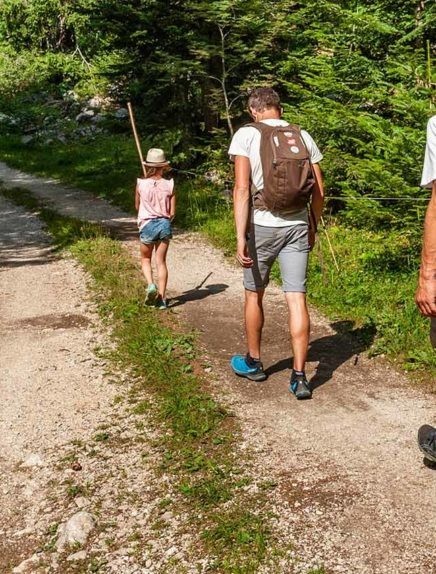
(154, 199)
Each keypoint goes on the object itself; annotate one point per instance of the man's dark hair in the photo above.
(263, 98)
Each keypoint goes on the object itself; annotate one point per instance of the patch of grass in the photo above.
(238, 539)
(102, 436)
(198, 436)
(142, 407)
(204, 207)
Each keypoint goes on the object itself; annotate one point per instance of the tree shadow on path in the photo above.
(332, 351)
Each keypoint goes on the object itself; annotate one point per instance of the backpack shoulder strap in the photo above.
(260, 126)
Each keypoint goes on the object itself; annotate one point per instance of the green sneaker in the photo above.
(151, 294)
(162, 304)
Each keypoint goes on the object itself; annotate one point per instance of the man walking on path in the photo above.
(426, 292)
(265, 234)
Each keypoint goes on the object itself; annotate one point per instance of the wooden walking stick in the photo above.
(135, 135)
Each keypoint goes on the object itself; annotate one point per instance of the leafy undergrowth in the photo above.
(198, 438)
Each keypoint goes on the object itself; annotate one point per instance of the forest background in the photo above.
(358, 75)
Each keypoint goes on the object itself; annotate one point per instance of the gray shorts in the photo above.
(290, 245)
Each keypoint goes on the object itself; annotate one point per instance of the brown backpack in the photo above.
(288, 178)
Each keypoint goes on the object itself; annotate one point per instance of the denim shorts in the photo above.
(155, 230)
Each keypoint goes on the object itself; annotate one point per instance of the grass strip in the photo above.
(198, 438)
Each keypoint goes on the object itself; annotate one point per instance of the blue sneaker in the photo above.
(245, 366)
(299, 386)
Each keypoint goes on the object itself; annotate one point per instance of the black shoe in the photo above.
(427, 442)
(299, 386)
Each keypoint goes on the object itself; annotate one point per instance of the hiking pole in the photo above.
(330, 245)
(200, 285)
(135, 135)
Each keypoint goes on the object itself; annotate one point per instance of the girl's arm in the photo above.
(136, 198)
(173, 206)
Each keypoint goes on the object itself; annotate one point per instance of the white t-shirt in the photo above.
(246, 142)
(429, 168)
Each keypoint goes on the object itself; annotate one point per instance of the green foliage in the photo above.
(357, 74)
(239, 540)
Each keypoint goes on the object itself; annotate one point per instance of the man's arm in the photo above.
(426, 293)
(317, 203)
(241, 207)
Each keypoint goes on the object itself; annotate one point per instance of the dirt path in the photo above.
(52, 387)
(351, 490)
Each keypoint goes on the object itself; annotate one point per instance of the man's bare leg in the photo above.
(299, 327)
(254, 320)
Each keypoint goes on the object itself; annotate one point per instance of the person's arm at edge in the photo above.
(426, 293)
(317, 203)
(241, 208)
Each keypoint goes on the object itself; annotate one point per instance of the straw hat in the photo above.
(156, 158)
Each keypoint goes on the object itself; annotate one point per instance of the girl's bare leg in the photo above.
(146, 254)
(162, 270)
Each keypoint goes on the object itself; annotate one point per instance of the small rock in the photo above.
(85, 116)
(77, 556)
(71, 96)
(4, 118)
(33, 459)
(76, 465)
(27, 565)
(22, 532)
(95, 102)
(26, 140)
(208, 370)
(121, 114)
(81, 501)
(98, 118)
(75, 531)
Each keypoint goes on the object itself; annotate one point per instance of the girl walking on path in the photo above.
(155, 202)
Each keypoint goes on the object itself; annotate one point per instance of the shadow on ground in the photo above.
(332, 351)
(198, 293)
